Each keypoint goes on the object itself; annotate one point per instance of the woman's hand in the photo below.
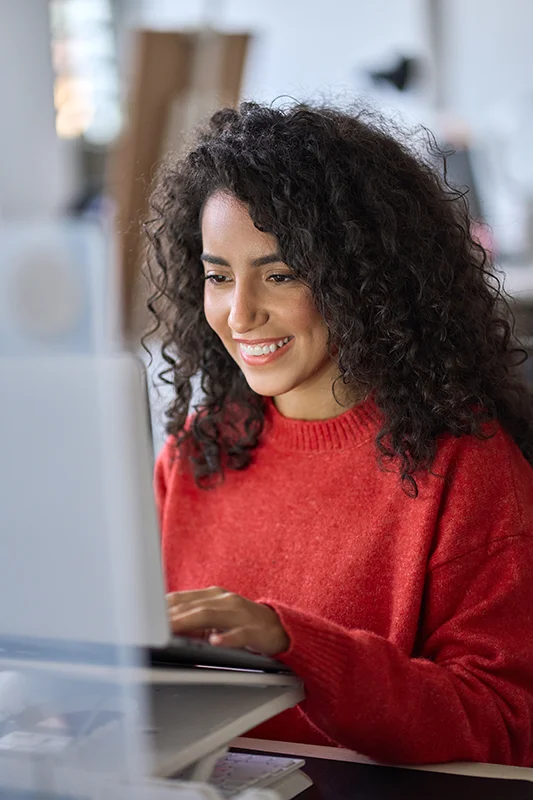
(228, 619)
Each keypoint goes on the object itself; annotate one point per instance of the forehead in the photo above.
(226, 224)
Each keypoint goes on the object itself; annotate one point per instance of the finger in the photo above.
(257, 638)
(198, 634)
(236, 637)
(180, 598)
(251, 637)
(229, 602)
(203, 617)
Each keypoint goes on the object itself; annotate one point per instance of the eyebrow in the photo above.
(272, 258)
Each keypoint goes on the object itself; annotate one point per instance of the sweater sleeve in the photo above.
(467, 696)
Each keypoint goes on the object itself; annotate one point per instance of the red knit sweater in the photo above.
(410, 620)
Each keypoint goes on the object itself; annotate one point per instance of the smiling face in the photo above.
(265, 317)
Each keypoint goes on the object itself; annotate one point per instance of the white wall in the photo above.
(487, 60)
(37, 170)
(302, 48)
(488, 55)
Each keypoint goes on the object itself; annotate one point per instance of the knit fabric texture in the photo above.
(410, 619)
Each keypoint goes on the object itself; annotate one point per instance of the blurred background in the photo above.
(93, 93)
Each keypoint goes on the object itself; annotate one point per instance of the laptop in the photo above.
(80, 574)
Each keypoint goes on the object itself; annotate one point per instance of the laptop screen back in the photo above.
(79, 544)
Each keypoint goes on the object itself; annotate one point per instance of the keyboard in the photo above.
(180, 651)
(236, 772)
(232, 774)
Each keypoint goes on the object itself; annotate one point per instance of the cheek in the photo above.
(214, 313)
(306, 318)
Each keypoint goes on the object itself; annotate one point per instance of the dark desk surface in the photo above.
(342, 780)
(350, 780)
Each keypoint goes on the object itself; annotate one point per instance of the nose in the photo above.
(247, 311)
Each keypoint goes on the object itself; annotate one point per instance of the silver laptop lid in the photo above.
(80, 555)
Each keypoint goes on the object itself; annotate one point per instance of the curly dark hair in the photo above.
(415, 313)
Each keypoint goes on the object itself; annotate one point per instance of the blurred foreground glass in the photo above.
(70, 713)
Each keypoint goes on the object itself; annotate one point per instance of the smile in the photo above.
(257, 355)
(263, 349)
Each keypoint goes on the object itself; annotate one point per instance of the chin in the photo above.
(269, 388)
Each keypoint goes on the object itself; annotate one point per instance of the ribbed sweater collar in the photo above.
(349, 429)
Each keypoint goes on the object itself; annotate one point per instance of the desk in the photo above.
(340, 774)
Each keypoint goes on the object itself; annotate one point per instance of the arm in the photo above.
(469, 693)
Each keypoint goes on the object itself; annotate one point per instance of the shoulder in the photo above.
(174, 458)
(487, 493)
(489, 462)
(163, 467)
(167, 455)
(173, 475)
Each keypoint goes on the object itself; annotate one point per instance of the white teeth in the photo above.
(263, 350)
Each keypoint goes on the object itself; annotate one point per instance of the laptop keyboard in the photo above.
(239, 771)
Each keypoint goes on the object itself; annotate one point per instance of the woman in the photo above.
(358, 473)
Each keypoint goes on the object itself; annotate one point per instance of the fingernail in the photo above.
(215, 638)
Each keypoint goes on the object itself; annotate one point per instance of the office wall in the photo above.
(303, 47)
(38, 172)
(488, 57)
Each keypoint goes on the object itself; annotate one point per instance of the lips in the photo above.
(259, 359)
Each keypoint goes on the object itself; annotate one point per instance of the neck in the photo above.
(319, 406)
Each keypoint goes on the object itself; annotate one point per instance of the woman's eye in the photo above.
(216, 279)
(281, 278)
